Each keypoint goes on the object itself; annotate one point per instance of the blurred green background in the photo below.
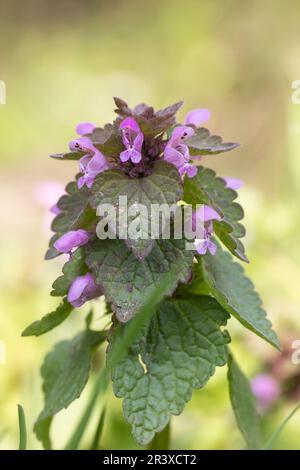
(62, 62)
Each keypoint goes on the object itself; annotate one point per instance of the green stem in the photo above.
(22, 428)
(99, 389)
(161, 441)
(279, 430)
(96, 441)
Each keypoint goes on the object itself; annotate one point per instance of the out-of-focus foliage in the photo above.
(62, 62)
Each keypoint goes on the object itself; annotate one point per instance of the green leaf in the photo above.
(52, 252)
(74, 267)
(22, 428)
(202, 142)
(151, 122)
(235, 292)
(125, 279)
(279, 429)
(49, 321)
(109, 141)
(195, 286)
(179, 351)
(68, 155)
(65, 372)
(42, 431)
(243, 404)
(207, 188)
(75, 210)
(153, 296)
(162, 439)
(163, 186)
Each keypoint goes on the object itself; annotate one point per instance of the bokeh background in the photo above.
(62, 62)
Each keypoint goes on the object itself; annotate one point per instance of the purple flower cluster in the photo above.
(175, 150)
(141, 136)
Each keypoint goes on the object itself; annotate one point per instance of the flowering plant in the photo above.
(183, 288)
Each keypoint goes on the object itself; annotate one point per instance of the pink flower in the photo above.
(233, 183)
(47, 193)
(188, 169)
(84, 128)
(133, 140)
(91, 166)
(266, 390)
(177, 152)
(197, 117)
(55, 209)
(93, 162)
(203, 245)
(205, 215)
(70, 240)
(82, 289)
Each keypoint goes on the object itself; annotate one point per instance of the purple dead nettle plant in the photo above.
(150, 158)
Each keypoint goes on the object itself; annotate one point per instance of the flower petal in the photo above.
(71, 239)
(55, 209)
(85, 128)
(135, 156)
(181, 132)
(191, 170)
(125, 156)
(84, 144)
(266, 390)
(233, 183)
(197, 117)
(206, 213)
(76, 290)
(83, 162)
(212, 247)
(173, 156)
(130, 123)
(96, 165)
(81, 182)
(201, 246)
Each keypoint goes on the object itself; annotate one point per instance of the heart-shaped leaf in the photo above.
(141, 196)
(178, 352)
(125, 279)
